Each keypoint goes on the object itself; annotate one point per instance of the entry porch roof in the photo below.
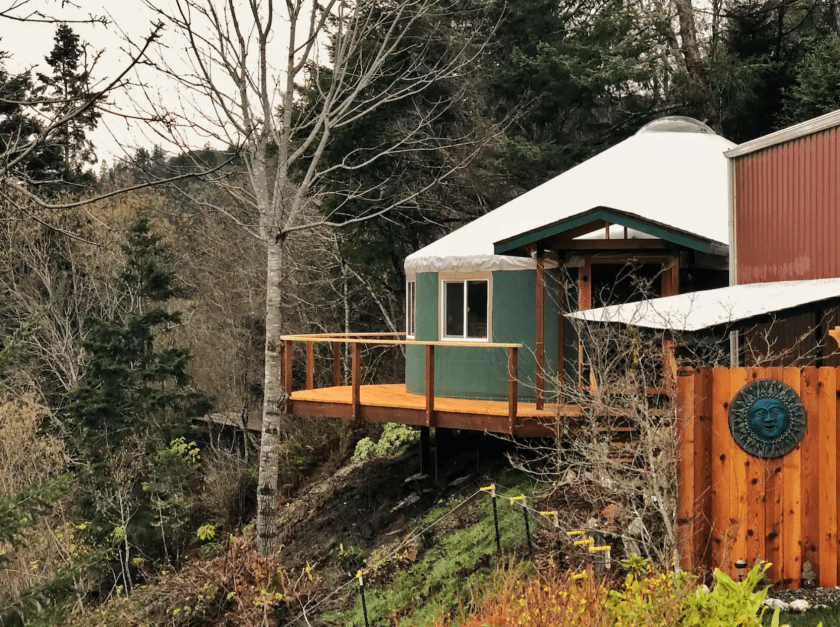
(734, 306)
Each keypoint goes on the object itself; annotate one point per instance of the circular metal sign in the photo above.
(767, 418)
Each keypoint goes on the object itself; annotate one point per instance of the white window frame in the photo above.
(463, 277)
(411, 308)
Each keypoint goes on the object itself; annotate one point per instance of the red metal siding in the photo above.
(786, 204)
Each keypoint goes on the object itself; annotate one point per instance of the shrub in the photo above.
(646, 597)
(394, 440)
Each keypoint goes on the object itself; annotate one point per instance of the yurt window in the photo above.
(465, 308)
(411, 308)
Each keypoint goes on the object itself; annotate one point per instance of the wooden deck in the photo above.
(392, 403)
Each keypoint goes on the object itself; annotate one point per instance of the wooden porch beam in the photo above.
(611, 244)
(540, 374)
(584, 302)
(561, 342)
(670, 287)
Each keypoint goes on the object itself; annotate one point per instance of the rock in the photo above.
(799, 605)
(774, 603)
(410, 500)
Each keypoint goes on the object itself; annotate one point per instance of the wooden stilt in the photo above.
(425, 451)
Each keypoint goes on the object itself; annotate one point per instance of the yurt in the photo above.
(658, 200)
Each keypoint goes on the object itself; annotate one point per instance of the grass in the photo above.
(443, 579)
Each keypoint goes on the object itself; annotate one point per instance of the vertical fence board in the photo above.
(809, 471)
(826, 480)
(739, 492)
(774, 516)
(703, 466)
(685, 470)
(756, 497)
(837, 465)
(791, 482)
(721, 467)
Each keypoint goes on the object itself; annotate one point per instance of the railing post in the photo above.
(540, 374)
(513, 380)
(310, 365)
(357, 376)
(287, 372)
(430, 384)
(336, 348)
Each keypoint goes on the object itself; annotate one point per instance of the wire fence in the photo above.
(600, 551)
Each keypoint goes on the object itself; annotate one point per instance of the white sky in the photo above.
(29, 43)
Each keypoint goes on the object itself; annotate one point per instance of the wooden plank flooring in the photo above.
(393, 403)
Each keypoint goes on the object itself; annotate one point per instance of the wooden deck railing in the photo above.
(356, 340)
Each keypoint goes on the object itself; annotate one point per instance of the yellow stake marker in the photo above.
(513, 499)
(585, 541)
(574, 533)
(554, 514)
(595, 549)
(359, 577)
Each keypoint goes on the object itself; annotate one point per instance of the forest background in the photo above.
(133, 293)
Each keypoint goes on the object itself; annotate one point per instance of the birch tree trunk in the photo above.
(272, 406)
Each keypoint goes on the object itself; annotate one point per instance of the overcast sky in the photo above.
(29, 43)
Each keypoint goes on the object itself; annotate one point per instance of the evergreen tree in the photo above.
(19, 126)
(68, 86)
(135, 400)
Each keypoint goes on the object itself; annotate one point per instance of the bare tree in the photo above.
(343, 54)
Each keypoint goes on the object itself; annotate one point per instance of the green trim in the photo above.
(656, 229)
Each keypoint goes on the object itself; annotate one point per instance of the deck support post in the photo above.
(561, 343)
(443, 444)
(336, 349)
(310, 365)
(540, 373)
(430, 384)
(425, 451)
(584, 302)
(287, 374)
(357, 383)
(670, 287)
(513, 380)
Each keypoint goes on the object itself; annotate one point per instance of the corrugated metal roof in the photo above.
(829, 120)
(679, 179)
(696, 311)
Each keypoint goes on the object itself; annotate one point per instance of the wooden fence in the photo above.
(732, 506)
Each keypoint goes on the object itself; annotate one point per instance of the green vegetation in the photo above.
(394, 440)
(456, 563)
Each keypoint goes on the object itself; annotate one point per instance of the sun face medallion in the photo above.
(767, 418)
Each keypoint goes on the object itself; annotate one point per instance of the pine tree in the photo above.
(68, 87)
(134, 402)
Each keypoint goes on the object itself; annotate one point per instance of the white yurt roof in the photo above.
(672, 171)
